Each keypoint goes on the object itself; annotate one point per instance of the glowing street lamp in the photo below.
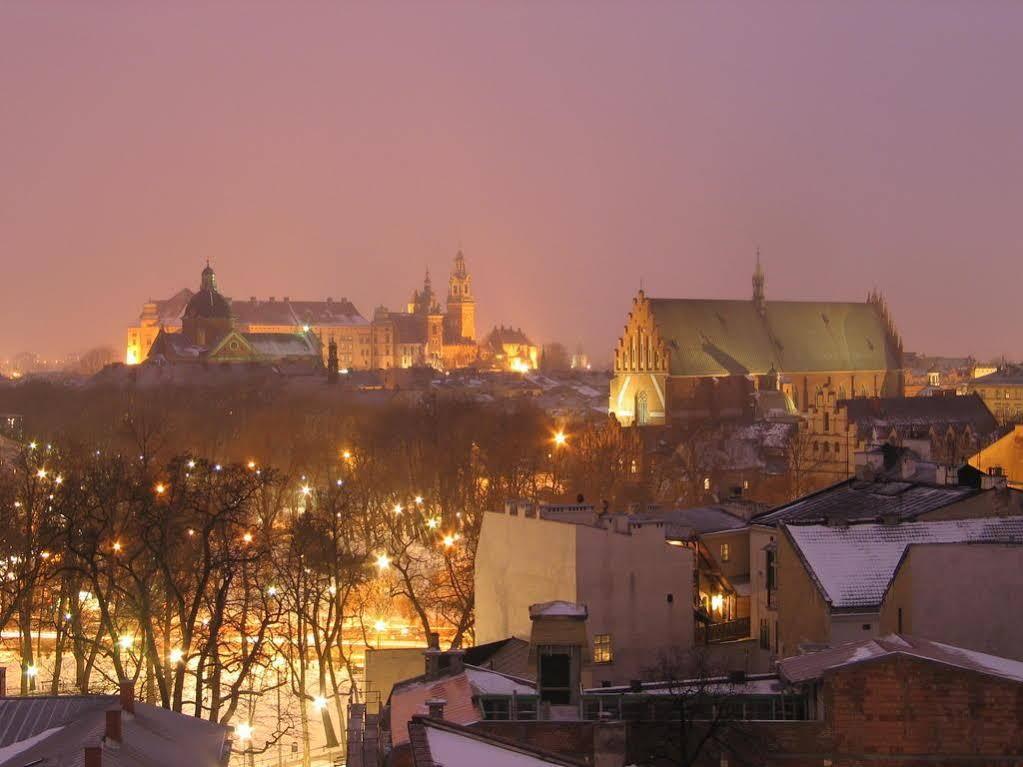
(160, 488)
(397, 508)
(419, 500)
(247, 537)
(176, 655)
(125, 642)
(383, 562)
(319, 703)
(117, 546)
(306, 490)
(31, 671)
(433, 523)
(41, 474)
(251, 464)
(380, 625)
(243, 731)
(560, 440)
(272, 591)
(346, 454)
(449, 541)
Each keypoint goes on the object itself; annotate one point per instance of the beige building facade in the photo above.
(637, 587)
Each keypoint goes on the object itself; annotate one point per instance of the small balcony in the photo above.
(725, 631)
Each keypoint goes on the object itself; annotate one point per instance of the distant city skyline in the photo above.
(574, 151)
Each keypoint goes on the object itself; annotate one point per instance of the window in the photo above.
(726, 552)
(706, 483)
(765, 634)
(827, 422)
(603, 652)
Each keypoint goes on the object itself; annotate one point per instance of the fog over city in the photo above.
(574, 151)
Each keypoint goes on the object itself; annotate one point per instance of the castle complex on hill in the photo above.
(207, 326)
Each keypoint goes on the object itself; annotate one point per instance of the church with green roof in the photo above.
(682, 360)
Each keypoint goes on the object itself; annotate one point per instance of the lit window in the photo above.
(726, 552)
(603, 652)
(706, 483)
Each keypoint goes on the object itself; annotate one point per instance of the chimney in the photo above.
(3, 681)
(113, 731)
(436, 707)
(93, 756)
(127, 696)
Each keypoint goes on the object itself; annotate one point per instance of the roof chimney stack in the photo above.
(93, 756)
(127, 696)
(436, 707)
(113, 731)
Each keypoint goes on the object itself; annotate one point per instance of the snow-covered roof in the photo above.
(487, 682)
(557, 609)
(702, 519)
(803, 668)
(446, 743)
(857, 499)
(853, 565)
(754, 684)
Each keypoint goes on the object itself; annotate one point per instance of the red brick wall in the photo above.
(573, 739)
(903, 706)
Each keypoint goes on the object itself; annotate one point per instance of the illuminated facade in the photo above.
(423, 334)
(328, 320)
(510, 349)
(426, 334)
(686, 359)
(210, 332)
(1002, 392)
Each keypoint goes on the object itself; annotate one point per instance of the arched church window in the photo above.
(642, 416)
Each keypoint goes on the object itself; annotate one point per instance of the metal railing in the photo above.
(727, 631)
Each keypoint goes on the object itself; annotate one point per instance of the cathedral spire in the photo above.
(758, 287)
(209, 278)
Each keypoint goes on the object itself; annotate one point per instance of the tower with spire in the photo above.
(758, 288)
(424, 301)
(460, 320)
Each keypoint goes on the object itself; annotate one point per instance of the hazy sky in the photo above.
(572, 148)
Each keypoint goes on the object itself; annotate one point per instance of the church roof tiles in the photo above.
(724, 337)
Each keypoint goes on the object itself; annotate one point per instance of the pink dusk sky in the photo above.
(573, 149)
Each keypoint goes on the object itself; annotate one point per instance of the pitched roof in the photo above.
(921, 413)
(855, 500)
(481, 653)
(702, 519)
(169, 310)
(441, 743)
(56, 730)
(1011, 375)
(256, 311)
(458, 690)
(717, 337)
(502, 335)
(854, 565)
(804, 668)
(282, 345)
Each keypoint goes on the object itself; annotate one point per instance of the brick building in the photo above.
(690, 359)
(896, 701)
